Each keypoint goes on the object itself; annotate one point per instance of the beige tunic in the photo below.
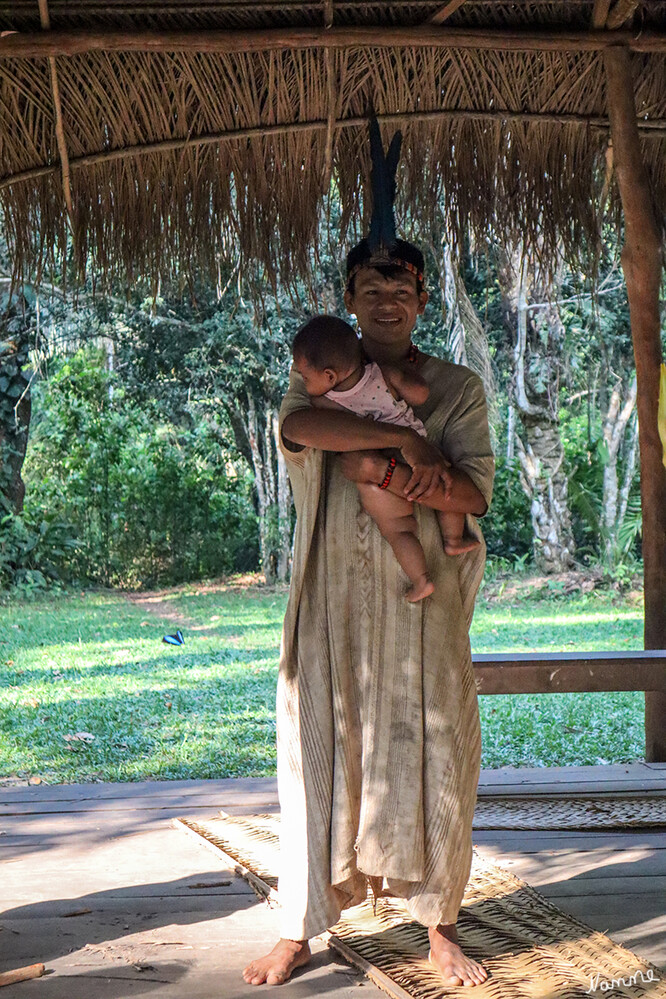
(377, 718)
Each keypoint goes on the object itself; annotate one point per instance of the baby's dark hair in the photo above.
(327, 342)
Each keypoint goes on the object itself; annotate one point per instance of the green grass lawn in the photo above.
(95, 664)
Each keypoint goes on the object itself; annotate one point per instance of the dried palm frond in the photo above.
(179, 159)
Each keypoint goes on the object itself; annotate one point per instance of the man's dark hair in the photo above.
(326, 342)
(402, 252)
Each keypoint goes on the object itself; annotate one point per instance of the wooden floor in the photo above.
(95, 883)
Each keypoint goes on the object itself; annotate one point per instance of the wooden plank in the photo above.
(645, 887)
(137, 804)
(535, 841)
(625, 910)
(57, 909)
(612, 776)
(28, 45)
(558, 775)
(260, 793)
(624, 658)
(128, 790)
(165, 811)
(532, 673)
(191, 957)
(550, 868)
(574, 788)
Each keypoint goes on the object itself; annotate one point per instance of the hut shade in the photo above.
(178, 158)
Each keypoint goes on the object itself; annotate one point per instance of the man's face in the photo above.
(385, 307)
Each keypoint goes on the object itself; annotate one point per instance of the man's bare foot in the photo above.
(456, 546)
(456, 968)
(420, 590)
(277, 967)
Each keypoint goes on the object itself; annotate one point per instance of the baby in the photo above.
(329, 357)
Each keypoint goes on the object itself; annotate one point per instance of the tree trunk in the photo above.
(284, 510)
(15, 411)
(467, 340)
(541, 457)
(273, 493)
(540, 449)
(264, 483)
(613, 434)
(629, 472)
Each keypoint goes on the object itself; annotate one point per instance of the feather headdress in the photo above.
(381, 247)
(382, 235)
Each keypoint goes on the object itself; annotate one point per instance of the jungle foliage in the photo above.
(152, 449)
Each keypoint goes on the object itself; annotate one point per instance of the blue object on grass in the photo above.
(176, 639)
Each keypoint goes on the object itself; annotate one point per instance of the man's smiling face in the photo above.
(385, 307)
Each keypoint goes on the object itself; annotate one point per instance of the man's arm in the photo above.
(340, 430)
(451, 491)
(343, 431)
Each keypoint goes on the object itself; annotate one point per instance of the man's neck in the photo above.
(385, 353)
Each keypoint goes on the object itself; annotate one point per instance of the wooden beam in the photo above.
(57, 108)
(642, 266)
(620, 14)
(562, 672)
(445, 13)
(655, 128)
(600, 13)
(15, 45)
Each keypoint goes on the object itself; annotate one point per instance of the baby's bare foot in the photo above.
(456, 546)
(445, 953)
(277, 967)
(420, 590)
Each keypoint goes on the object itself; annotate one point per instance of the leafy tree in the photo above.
(151, 501)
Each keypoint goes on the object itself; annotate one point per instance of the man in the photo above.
(378, 728)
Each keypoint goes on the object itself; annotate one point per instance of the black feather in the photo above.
(382, 233)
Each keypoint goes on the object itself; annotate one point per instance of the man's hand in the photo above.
(429, 468)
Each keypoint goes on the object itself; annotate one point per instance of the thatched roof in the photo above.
(191, 128)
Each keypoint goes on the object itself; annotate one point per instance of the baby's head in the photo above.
(326, 350)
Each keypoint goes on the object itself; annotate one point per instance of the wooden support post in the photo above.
(642, 266)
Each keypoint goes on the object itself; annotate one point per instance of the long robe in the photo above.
(378, 729)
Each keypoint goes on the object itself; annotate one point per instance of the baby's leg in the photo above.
(452, 526)
(395, 519)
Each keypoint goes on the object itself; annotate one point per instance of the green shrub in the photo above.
(149, 500)
(508, 526)
(32, 547)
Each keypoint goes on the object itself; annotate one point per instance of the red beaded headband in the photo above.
(385, 262)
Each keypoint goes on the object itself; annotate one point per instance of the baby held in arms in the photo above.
(329, 357)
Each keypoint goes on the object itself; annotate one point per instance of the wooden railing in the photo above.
(570, 672)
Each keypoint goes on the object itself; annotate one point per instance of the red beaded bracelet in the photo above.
(389, 473)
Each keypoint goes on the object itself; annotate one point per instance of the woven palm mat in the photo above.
(591, 811)
(531, 949)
